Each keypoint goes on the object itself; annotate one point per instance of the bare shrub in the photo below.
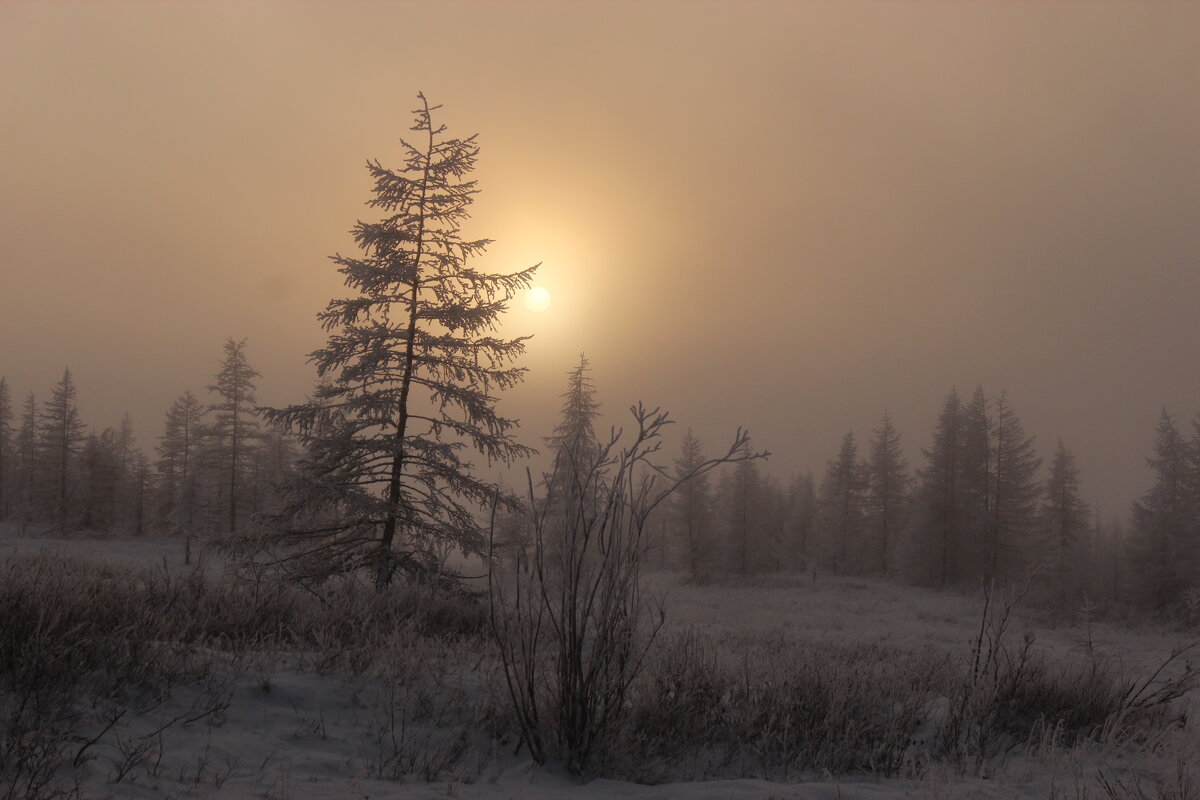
(78, 651)
(1011, 693)
(778, 708)
(429, 710)
(572, 622)
(86, 648)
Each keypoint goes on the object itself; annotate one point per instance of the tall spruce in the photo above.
(26, 460)
(1065, 521)
(841, 510)
(1016, 491)
(140, 491)
(573, 484)
(1162, 546)
(800, 520)
(1192, 459)
(887, 496)
(573, 442)
(60, 440)
(408, 377)
(741, 494)
(977, 536)
(178, 463)
(936, 537)
(125, 452)
(692, 507)
(6, 448)
(99, 474)
(234, 426)
(774, 511)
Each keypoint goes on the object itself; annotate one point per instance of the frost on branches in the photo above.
(407, 380)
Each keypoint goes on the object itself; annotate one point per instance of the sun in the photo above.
(537, 299)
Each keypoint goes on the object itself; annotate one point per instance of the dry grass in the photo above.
(89, 654)
(86, 648)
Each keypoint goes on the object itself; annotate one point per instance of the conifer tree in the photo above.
(6, 447)
(573, 442)
(887, 496)
(178, 462)
(273, 460)
(936, 538)
(59, 443)
(574, 484)
(1192, 458)
(1065, 522)
(841, 507)
(774, 511)
(141, 489)
(26, 459)
(1116, 540)
(977, 537)
(409, 376)
(801, 520)
(234, 427)
(1015, 495)
(1162, 547)
(124, 451)
(742, 494)
(99, 474)
(692, 506)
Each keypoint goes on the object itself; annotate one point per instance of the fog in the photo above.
(781, 216)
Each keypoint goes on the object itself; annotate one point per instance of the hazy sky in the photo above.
(781, 215)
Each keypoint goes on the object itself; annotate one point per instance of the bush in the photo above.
(85, 645)
(781, 709)
(1010, 693)
(572, 623)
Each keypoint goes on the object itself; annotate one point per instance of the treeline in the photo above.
(981, 506)
(210, 469)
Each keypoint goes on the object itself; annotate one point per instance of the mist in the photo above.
(939, 261)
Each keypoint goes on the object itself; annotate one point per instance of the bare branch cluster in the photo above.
(572, 620)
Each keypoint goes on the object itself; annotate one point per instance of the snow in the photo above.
(292, 732)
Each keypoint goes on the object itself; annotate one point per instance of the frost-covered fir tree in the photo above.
(1162, 544)
(935, 541)
(774, 524)
(272, 463)
(60, 438)
(692, 509)
(98, 479)
(573, 442)
(1015, 494)
(887, 496)
(26, 460)
(741, 494)
(234, 426)
(142, 485)
(976, 466)
(409, 377)
(179, 464)
(800, 520)
(841, 510)
(6, 447)
(1065, 519)
(125, 451)
(574, 483)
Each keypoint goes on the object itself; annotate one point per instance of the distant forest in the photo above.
(982, 506)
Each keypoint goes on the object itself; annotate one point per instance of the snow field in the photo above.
(261, 691)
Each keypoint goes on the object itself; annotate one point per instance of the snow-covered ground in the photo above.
(289, 730)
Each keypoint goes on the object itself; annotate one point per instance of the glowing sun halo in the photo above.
(537, 299)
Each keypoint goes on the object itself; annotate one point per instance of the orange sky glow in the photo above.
(784, 216)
